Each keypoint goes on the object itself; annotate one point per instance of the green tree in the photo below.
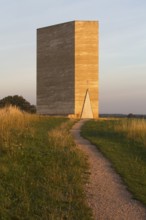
(18, 101)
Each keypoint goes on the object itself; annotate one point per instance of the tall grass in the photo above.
(42, 173)
(134, 129)
(13, 124)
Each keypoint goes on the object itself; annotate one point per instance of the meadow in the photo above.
(123, 142)
(42, 173)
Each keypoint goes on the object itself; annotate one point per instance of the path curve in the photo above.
(106, 194)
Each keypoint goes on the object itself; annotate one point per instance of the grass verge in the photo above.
(42, 174)
(126, 151)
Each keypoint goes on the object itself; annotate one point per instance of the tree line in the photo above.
(18, 101)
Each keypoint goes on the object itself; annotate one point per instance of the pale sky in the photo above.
(122, 53)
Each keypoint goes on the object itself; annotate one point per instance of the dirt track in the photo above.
(106, 194)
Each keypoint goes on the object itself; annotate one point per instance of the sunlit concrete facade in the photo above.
(67, 69)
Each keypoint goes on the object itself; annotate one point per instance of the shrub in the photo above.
(18, 101)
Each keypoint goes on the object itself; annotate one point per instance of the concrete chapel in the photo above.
(67, 69)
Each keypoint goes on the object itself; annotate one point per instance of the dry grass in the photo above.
(13, 122)
(61, 136)
(41, 171)
(134, 129)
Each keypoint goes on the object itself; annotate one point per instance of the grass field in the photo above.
(123, 142)
(42, 173)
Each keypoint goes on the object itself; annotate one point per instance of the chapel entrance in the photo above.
(87, 109)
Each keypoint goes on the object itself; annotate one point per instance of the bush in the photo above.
(19, 102)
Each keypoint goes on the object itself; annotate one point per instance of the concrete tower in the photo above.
(67, 69)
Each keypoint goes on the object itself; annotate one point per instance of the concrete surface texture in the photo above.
(106, 194)
(86, 65)
(67, 66)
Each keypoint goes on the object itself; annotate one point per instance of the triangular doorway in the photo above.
(87, 110)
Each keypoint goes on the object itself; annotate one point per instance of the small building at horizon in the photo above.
(67, 69)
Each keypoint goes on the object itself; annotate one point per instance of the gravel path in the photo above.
(106, 194)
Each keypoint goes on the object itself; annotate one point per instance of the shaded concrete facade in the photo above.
(67, 67)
